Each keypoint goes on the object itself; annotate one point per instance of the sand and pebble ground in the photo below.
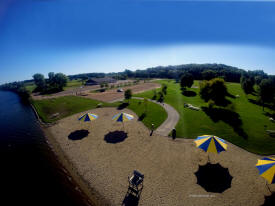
(112, 95)
(168, 166)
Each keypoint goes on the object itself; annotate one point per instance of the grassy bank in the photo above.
(245, 126)
(64, 106)
(68, 105)
(154, 114)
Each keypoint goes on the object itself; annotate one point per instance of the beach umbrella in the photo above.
(122, 117)
(88, 117)
(266, 167)
(210, 143)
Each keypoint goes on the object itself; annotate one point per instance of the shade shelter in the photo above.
(88, 117)
(210, 143)
(266, 167)
(122, 117)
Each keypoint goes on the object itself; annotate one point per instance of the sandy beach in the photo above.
(102, 167)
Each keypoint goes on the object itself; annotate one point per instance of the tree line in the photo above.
(213, 89)
(198, 71)
(54, 83)
(17, 87)
(262, 87)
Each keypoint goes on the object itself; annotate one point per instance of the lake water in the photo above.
(30, 173)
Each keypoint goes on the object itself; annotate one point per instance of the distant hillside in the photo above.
(229, 73)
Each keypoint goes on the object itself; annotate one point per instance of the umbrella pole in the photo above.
(208, 157)
(268, 187)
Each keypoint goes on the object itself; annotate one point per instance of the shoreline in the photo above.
(90, 195)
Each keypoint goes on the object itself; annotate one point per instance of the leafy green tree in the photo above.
(161, 96)
(155, 94)
(208, 74)
(164, 88)
(266, 91)
(51, 78)
(247, 84)
(128, 94)
(205, 91)
(23, 93)
(84, 78)
(186, 80)
(39, 81)
(60, 80)
(258, 79)
(214, 89)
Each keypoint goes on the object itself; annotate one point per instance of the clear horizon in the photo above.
(105, 36)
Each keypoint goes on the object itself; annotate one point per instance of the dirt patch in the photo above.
(112, 94)
(79, 91)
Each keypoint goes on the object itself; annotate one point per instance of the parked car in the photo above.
(119, 90)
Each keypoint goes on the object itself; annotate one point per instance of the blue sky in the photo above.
(93, 36)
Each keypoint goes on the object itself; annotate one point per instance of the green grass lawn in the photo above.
(69, 105)
(65, 106)
(155, 113)
(73, 84)
(244, 127)
(30, 87)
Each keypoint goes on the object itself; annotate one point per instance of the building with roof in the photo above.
(98, 81)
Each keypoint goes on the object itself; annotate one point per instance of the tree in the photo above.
(155, 94)
(205, 90)
(258, 79)
(128, 94)
(51, 78)
(266, 91)
(161, 96)
(84, 78)
(247, 84)
(39, 81)
(60, 80)
(186, 80)
(214, 89)
(164, 88)
(208, 74)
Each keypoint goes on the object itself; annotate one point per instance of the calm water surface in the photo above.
(30, 174)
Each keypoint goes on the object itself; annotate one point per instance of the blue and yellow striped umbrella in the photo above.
(122, 117)
(88, 117)
(210, 143)
(266, 167)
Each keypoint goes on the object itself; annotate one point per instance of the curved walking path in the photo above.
(171, 121)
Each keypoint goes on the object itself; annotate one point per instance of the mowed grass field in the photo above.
(73, 84)
(245, 127)
(65, 106)
(155, 113)
(70, 105)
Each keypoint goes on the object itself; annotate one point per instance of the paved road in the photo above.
(172, 119)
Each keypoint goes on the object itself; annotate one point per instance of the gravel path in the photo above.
(168, 165)
(172, 119)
